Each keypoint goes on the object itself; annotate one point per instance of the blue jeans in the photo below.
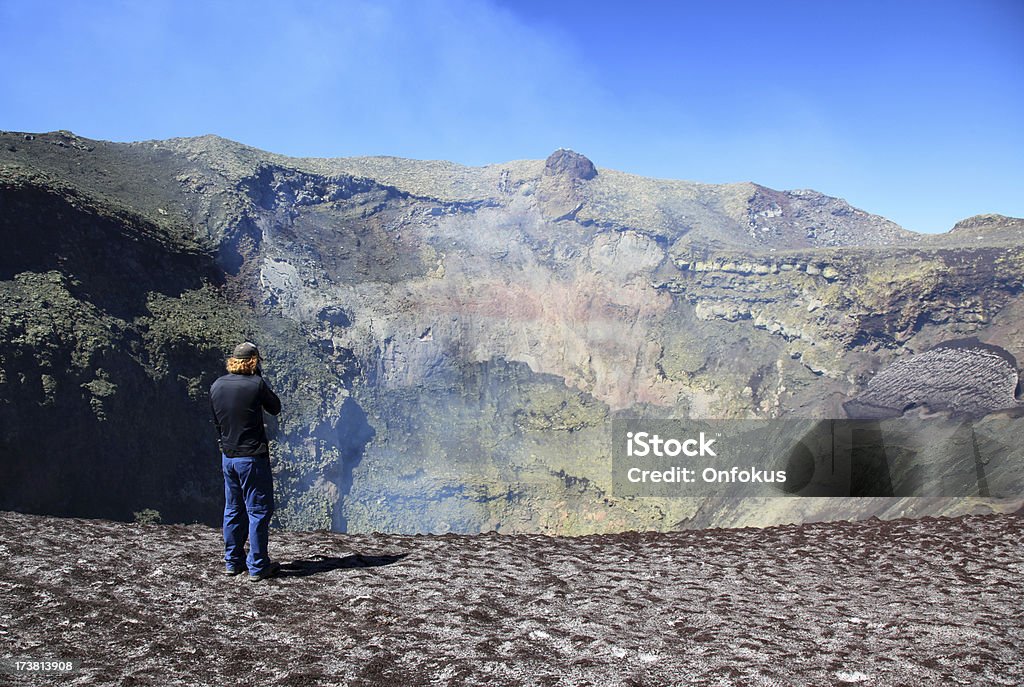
(248, 506)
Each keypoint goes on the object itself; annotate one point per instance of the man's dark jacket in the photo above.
(238, 403)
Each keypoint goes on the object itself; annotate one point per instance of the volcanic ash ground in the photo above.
(930, 601)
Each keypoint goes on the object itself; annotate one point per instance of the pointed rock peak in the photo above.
(569, 163)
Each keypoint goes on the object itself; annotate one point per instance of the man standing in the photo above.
(239, 399)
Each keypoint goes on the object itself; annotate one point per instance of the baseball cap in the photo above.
(244, 351)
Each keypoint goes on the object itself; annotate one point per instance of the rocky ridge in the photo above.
(451, 342)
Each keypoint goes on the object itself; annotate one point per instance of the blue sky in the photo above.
(911, 109)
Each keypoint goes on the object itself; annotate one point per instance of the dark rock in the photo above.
(569, 163)
(964, 376)
(334, 316)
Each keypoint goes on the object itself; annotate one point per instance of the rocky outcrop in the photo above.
(964, 376)
(570, 164)
(561, 187)
(988, 223)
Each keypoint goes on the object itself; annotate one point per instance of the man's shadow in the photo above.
(322, 564)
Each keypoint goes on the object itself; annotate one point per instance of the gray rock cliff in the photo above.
(451, 342)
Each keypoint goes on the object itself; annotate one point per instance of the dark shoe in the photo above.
(271, 571)
(231, 571)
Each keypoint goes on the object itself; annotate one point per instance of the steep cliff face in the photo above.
(451, 342)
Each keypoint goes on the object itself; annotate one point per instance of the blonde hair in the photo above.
(243, 367)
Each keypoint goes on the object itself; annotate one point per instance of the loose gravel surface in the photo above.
(907, 602)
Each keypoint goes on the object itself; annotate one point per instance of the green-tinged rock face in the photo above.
(451, 344)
